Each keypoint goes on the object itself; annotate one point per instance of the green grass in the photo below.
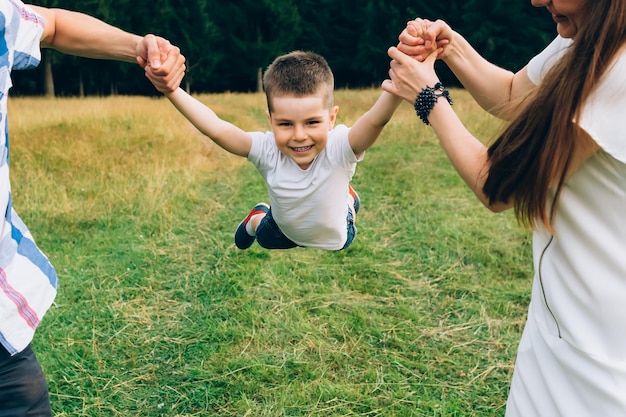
(158, 314)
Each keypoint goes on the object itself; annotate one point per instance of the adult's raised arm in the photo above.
(408, 77)
(495, 89)
(83, 35)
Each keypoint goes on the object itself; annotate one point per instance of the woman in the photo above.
(561, 165)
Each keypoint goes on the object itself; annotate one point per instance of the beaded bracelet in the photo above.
(427, 98)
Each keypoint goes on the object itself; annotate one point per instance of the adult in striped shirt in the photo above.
(28, 281)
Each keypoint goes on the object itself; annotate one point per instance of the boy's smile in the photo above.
(301, 125)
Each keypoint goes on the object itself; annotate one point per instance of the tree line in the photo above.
(228, 43)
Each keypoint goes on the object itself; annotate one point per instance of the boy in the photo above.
(306, 160)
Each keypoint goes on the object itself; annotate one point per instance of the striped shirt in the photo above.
(28, 281)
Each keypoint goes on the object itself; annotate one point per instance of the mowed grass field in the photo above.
(159, 314)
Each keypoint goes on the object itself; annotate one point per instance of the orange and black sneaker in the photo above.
(355, 197)
(243, 240)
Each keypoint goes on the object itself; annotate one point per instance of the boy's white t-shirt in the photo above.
(310, 206)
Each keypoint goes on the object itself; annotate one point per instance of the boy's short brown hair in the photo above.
(298, 73)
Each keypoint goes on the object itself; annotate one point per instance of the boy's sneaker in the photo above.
(242, 239)
(355, 196)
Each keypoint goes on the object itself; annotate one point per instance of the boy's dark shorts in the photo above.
(269, 235)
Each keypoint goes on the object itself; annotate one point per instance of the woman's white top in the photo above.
(572, 357)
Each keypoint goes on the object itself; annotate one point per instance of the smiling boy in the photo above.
(306, 161)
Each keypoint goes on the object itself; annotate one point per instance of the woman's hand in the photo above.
(408, 76)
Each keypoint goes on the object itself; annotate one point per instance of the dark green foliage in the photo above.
(227, 43)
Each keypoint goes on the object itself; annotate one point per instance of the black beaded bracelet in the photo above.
(427, 98)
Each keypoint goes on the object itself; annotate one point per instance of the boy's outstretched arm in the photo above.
(225, 134)
(366, 130)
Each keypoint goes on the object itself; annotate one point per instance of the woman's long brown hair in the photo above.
(534, 152)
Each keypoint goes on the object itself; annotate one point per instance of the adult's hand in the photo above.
(151, 50)
(408, 76)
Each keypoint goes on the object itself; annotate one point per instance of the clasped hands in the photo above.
(163, 63)
(412, 66)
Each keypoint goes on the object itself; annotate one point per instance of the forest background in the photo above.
(228, 43)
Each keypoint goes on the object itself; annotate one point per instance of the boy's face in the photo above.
(301, 125)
